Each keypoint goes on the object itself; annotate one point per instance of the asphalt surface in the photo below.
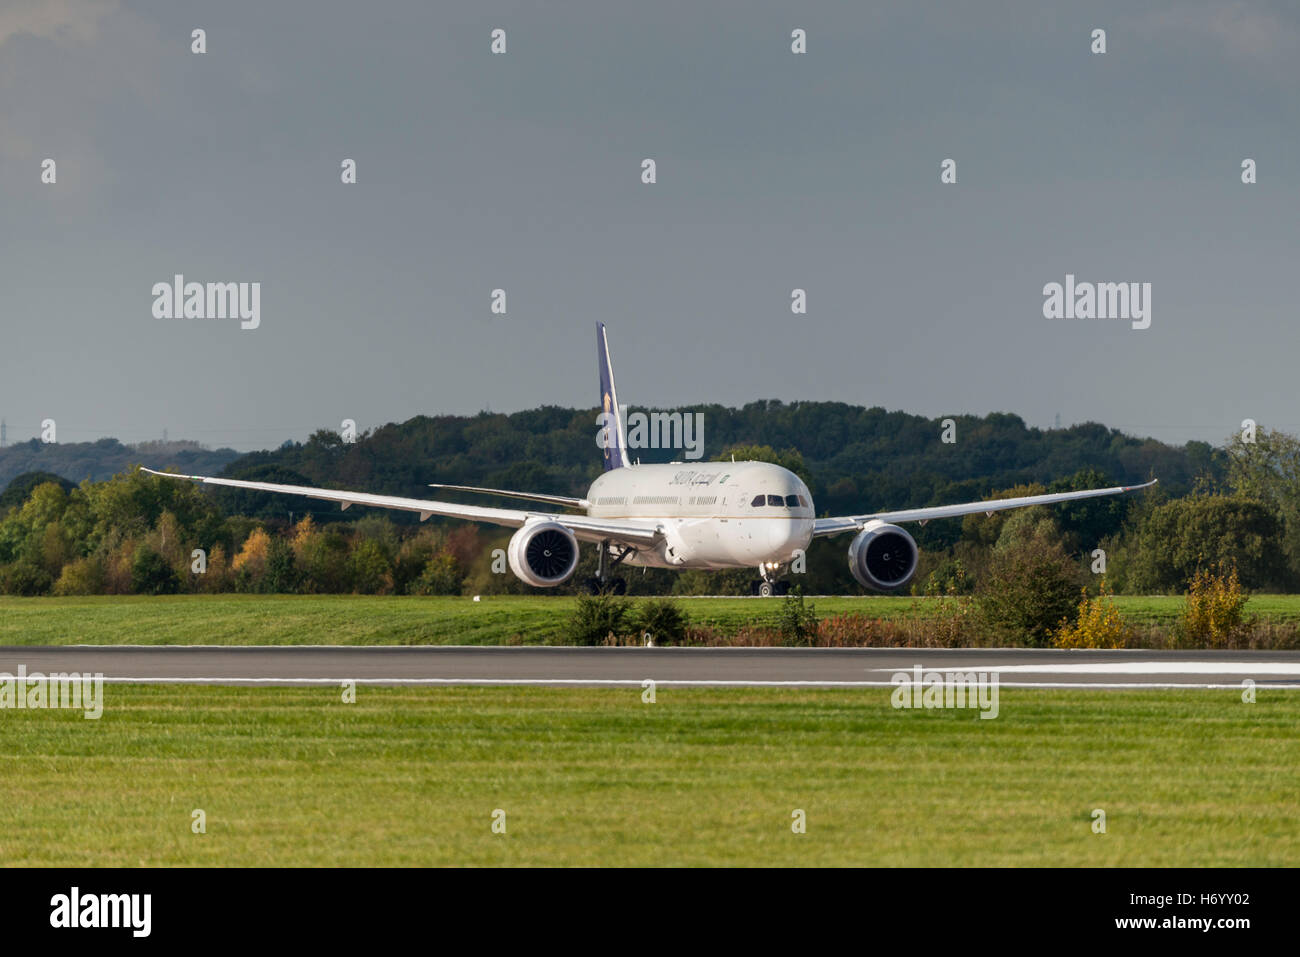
(864, 667)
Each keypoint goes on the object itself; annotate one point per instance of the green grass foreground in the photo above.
(702, 777)
(388, 620)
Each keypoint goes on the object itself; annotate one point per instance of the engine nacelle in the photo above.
(883, 557)
(543, 554)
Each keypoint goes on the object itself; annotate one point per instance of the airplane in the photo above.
(708, 515)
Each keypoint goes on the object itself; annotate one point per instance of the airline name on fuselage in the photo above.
(690, 477)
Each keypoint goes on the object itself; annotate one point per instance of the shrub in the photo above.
(371, 571)
(252, 555)
(753, 636)
(85, 576)
(944, 624)
(442, 575)
(411, 560)
(1171, 543)
(1029, 588)
(948, 578)
(151, 574)
(858, 631)
(249, 563)
(117, 567)
(663, 619)
(954, 625)
(26, 579)
(217, 577)
(595, 618)
(323, 558)
(1098, 624)
(1214, 614)
(282, 576)
(795, 622)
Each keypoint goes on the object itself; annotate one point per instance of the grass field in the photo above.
(703, 776)
(371, 620)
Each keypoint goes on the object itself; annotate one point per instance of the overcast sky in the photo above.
(522, 171)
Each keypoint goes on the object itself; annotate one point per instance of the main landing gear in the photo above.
(602, 582)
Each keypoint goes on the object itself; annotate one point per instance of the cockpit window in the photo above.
(775, 500)
(804, 502)
(792, 501)
(758, 500)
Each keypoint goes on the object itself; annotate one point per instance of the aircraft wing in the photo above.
(566, 500)
(853, 523)
(624, 531)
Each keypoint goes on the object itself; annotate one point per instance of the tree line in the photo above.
(1237, 503)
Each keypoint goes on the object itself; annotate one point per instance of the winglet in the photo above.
(192, 478)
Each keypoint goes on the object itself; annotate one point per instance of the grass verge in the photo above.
(390, 620)
(702, 777)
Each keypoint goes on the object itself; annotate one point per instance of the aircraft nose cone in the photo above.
(782, 538)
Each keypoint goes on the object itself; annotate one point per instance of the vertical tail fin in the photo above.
(611, 414)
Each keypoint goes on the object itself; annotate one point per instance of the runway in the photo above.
(744, 667)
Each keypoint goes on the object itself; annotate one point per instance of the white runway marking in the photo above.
(669, 683)
(1131, 668)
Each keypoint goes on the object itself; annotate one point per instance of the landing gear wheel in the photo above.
(783, 588)
(591, 586)
(617, 586)
(766, 589)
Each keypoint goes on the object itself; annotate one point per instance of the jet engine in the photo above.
(543, 554)
(883, 557)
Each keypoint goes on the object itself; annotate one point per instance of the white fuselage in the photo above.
(709, 512)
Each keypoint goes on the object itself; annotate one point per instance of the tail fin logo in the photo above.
(612, 440)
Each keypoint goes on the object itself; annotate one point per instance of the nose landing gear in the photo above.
(770, 584)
